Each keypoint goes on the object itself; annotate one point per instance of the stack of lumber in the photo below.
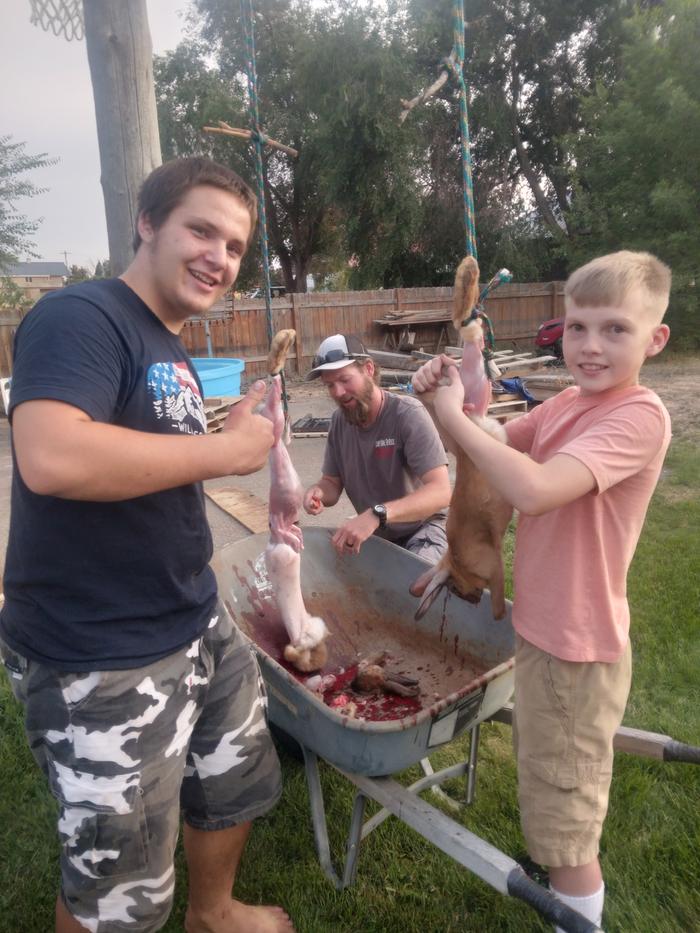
(391, 362)
(428, 316)
(542, 386)
(216, 411)
(510, 364)
(535, 371)
(396, 368)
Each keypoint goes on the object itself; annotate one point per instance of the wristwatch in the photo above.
(380, 512)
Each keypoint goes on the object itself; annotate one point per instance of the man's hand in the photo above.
(352, 535)
(313, 500)
(254, 433)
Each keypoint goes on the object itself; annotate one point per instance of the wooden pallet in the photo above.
(504, 411)
(216, 411)
(308, 426)
(247, 508)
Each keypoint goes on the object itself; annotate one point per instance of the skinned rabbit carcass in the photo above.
(306, 649)
(478, 515)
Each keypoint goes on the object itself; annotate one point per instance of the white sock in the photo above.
(590, 906)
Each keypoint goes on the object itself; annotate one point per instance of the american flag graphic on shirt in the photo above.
(176, 397)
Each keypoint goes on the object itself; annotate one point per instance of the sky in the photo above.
(47, 103)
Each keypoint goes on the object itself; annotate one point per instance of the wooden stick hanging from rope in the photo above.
(429, 92)
(227, 130)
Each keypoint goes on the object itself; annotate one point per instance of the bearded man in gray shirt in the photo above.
(385, 452)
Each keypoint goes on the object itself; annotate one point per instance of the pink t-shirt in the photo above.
(570, 570)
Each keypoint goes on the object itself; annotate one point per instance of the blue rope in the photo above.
(455, 65)
(258, 138)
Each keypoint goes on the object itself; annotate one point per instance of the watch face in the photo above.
(380, 512)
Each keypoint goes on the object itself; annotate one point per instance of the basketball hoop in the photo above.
(59, 16)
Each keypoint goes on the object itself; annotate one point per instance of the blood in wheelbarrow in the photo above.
(356, 629)
(461, 657)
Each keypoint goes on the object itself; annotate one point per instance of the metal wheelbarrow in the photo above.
(463, 662)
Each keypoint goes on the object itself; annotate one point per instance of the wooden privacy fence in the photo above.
(515, 311)
(9, 322)
(382, 318)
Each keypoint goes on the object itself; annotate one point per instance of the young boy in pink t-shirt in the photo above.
(580, 469)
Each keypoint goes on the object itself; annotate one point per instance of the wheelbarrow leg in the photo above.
(470, 768)
(318, 816)
(473, 755)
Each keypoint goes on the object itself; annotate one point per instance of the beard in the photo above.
(358, 415)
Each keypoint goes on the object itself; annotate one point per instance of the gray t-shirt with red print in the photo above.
(385, 460)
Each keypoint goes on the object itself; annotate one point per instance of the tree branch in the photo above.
(526, 166)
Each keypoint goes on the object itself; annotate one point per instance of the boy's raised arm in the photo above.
(533, 488)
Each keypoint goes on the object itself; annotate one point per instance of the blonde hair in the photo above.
(608, 280)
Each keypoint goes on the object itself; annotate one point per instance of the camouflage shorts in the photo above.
(124, 750)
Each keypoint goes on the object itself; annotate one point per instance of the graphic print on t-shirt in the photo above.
(384, 447)
(176, 397)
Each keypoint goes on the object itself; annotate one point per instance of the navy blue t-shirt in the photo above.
(106, 585)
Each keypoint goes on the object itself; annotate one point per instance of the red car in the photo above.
(549, 335)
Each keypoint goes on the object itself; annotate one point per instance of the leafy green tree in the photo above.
(528, 63)
(16, 230)
(12, 296)
(78, 274)
(371, 201)
(203, 82)
(102, 269)
(638, 173)
(353, 74)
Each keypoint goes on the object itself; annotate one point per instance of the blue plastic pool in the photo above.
(220, 377)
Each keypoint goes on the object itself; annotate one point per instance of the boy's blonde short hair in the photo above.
(609, 279)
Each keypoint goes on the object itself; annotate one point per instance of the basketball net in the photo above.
(59, 16)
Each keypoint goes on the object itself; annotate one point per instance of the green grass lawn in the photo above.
(651, 843)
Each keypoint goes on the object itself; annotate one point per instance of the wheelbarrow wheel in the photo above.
(286, 743)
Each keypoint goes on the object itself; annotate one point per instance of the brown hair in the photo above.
(167, 185)
(376, 376)
(609, 279)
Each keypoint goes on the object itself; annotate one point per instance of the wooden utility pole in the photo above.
(121, 67)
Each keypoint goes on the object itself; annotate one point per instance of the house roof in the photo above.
(38, 268)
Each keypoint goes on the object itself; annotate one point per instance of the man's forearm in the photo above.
(70, 456)
(425, 501)
(331, 489)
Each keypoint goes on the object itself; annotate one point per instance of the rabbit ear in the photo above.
(436, 582)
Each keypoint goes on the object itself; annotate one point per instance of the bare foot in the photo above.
(240, 918)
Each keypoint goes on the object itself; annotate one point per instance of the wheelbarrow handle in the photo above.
(547, 905)
(634, 741)
(679, 751)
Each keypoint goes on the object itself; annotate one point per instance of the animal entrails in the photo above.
(478, 515)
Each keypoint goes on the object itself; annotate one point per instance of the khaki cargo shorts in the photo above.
(566, 714)
(429, 542)
(124, 751)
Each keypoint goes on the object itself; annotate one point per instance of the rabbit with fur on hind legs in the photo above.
(478, 515)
